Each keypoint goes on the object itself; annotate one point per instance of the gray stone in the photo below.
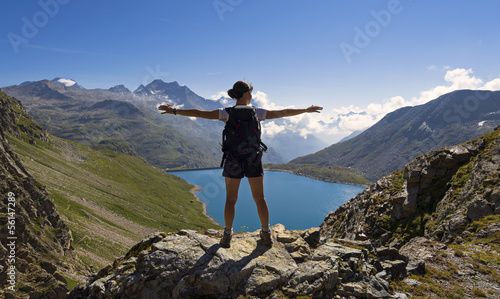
(391, 253)
(478, 209)
(416, 267)
(488, 231)
(410, 204)
(312, 236)
(400, 296)
(190, 264)
(412, 282)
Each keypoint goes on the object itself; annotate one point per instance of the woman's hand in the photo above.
(166, 109)
(208, 114)
(314, 109)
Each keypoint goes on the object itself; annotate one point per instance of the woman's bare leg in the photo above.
(232, 187)
(257, 187)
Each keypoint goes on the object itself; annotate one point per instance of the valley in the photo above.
(109, 196)
(108, 200)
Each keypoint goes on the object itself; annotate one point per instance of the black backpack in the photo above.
(241, 135)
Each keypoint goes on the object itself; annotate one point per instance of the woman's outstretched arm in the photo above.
(209, 114)
(291, 112)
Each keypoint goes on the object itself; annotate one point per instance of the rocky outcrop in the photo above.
(34, 240)
(442, 212)
(190, 265)
(438, 195)
(16, 121)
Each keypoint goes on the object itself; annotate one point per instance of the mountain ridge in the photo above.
(409, 131)
(103, 118)
(39, 252)
(192, 144)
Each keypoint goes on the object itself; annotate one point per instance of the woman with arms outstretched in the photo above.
(240, 163)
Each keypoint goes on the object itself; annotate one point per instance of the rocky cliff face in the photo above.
(16, 121)
(442, 209)
(193, 265)
(34, 240)
(437, 195)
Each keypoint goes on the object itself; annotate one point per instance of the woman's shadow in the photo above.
(204, 261)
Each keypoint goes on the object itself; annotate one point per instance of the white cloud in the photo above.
(271, 129)
(261, 100)
(346, 110)
(458, 79)
(340, 122)
(357, 122)
(492, 85)
(221, 97)
(388, 106)
(220, 94)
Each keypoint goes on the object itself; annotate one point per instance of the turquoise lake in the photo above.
(295, 201)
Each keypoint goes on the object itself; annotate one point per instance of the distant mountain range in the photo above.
(65, 82)
(129, 122)
(402, 135)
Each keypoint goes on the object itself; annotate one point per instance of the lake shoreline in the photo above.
(316, 178)
(204, 205)
(298, 202)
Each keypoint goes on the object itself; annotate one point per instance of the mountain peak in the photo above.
(119, 89)
(68, 82)
(160, 81)
(160, 87)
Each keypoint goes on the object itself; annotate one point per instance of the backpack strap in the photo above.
(229, 111)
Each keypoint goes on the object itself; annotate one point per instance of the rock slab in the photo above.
(189, 264)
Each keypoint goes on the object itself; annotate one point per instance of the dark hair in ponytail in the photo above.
(239, 88)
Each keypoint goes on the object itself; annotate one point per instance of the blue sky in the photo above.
(365, 57)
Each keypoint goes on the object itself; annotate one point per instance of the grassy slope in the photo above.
(109, 200)
(335, 174)
(103, 119)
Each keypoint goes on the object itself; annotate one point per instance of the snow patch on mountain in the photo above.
(68, 83)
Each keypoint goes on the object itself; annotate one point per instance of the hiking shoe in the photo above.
(266, 238)
(226, 240)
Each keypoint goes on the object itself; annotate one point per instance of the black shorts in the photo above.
(237, 168)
